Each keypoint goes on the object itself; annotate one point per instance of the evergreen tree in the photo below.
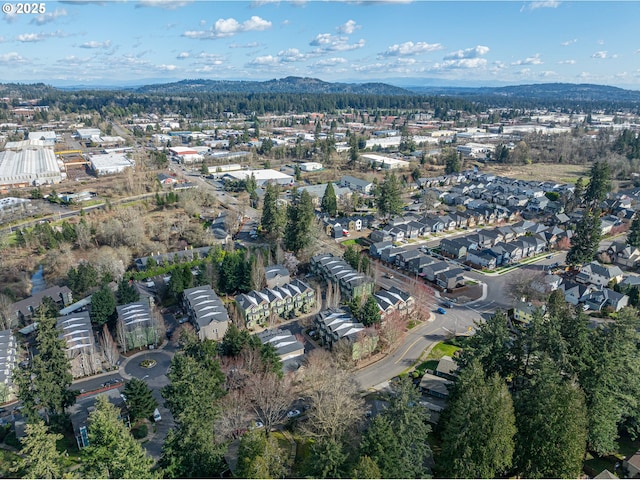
(452, 162)
(397, 440)
(112, 450)
(389, 200)
(300, 216)
(478, 426)
(39, 456)
(126, 293)
(551, 421)
(633, 237)
(251, 184)
(140, 401)
(599, 184)
(578, 191)
(352, 257)
(369, 314)
(204, 169)
(586, 240)
(259, 457)
(329, 202)
(103, 306)
(365, 468)
(271, 221)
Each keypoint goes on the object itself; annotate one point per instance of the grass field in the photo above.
(556, 172)
(441, 349)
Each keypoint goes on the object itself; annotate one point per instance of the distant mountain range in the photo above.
(283, 85)
(300, 85)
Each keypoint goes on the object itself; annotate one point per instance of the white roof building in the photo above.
(110, 163)
(48, 136)
(28, 164)
(262, 176)
(87, 133)
(386, 163)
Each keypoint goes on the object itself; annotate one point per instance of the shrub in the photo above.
(140, 431)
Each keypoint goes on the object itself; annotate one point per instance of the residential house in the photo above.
(380, 236)
(392, 300)
(605, 297)
(430, 271)
(376, 249)
(601, 275)
(356, 184)
(166, 180)
(523, 312)
(632, 465)
(292, 299)
(575, 293)
(8, 361)
(482, 259)
(453, 248)
(287, 345)
(435, 386)
(24, 311)
(447, 368)
(334, 269)
(136, 326)
(276, 276)
(547, 284)
(206, 312)
(450, 279)
(77, 333)
(338, 325)
(624, 254)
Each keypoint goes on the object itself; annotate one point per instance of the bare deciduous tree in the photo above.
(109, 347)
(257, 272)
(7, 321)
(233, 419)
(336, 406)
(270, 397)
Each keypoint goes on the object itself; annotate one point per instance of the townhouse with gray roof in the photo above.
(287, 346)
(76, 331)
(285, 301)
(136, 326)
(8, 361)
(206, 312)
(334, 269)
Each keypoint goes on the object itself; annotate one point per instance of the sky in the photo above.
(403, 42)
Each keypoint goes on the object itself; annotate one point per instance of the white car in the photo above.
(293, 413)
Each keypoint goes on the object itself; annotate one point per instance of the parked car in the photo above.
(293, 413)
(447, 304)
(441, 311)
(156, 415)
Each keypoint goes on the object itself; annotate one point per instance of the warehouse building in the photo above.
(29, 163)
(262, 177)
(110, 163)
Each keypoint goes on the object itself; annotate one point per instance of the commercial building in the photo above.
(206, 312)
(29, 163)
(385, 163)
(262, 177)
(87, 133)
(47, 136)
(311, 166)
(110, 163)
(186, 154)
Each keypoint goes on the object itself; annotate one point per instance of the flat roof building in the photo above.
(262, 176)
(29, 163)
(110, 163)
(386, 163)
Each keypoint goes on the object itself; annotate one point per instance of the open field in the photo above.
(556, 172)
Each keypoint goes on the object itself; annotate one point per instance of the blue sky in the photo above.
(403, 42)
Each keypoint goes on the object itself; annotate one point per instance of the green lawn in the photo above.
(351, 241)
(441, 349)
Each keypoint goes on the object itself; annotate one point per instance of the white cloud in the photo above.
(348, 28)
(39, 37)
(96, 44)
(333, 43)
(167, 68)
(567, 62)
(244, 45)
(475, 52)
(264, 60)
(290, 55)
(569, 42)
(463, 63)
(228, 27)
(410, 48)
(183, 55)
(535, 60)
(540, 4)
(166, 4)
(49, 16)
(73, 60)
(11, 57)
(10, 17)
(548, 73)
(602, 54)
(330, 62)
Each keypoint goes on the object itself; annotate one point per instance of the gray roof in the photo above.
(75, 329)
(447, 365)
(284, 342)
(355, 181)
(273, 271)
(8, 355)
(30, 304)
(388, 298)
(134, 315)
(435, 384)
(206, 305)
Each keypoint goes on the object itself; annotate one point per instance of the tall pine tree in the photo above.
(329, 202)
(586, 240)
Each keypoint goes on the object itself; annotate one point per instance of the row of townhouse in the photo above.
(413, 226)
(394, 300)
(504, 245)
(339, 227)
(292, 299)
(417, 261)
(24, 312)
(338, 325)
(335, 270)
